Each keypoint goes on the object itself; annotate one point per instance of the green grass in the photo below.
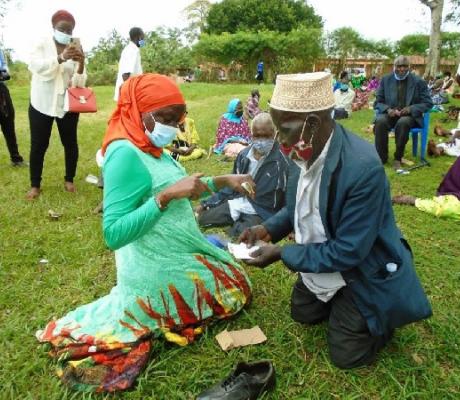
(421, 362)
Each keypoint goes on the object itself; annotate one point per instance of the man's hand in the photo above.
(405, 111)
(265, 255)
(251, 235)
(392, 112)
(243, 184)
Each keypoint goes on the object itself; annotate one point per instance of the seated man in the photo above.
(268, 167)
(185, 146)
(344, 97)
(401, 100)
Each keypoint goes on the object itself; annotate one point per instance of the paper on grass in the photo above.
(241, 251)
(231, 339)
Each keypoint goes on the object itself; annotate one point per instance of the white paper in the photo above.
(240, 251)
(92, 179)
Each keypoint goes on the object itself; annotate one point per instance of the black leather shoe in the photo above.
(247, 382)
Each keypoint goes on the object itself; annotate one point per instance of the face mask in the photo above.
(141, 43)
(344, 87)
(61, 37)
(301, 150)
(399, 77)
(263, 146)
(161, 134)
(239, 114)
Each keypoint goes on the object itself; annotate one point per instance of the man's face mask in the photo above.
(344, 87)
(300, 150)
(401, 72)
(141, 42)
(263, 146)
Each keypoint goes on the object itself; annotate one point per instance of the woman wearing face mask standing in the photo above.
(171, 282)
(55, 64)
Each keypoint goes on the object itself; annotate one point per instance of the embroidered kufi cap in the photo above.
(303, 92)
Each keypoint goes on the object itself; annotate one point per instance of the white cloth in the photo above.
(51, 79)
(241, 205)
(130, 63)
(308, 226)
(451, 149)
(344, 99)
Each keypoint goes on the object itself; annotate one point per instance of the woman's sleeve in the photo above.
(45, 67)
(129, 210)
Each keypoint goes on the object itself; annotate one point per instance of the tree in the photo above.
(345, 43)
(415, 44)
(454, 12)
(434, 55)
(196, 14)
(258, 15)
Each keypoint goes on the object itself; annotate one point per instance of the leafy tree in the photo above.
(415, 44)
(345, 43)
(288, 52)
(454, 12)
(196, 14)
(257, 15)
(450, 44)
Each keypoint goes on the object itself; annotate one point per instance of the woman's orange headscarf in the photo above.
(141, 93)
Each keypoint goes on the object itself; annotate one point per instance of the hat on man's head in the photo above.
(303, 92)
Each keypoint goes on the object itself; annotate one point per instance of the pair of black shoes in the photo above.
(247, 382)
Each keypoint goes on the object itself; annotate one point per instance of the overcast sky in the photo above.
(374, 19)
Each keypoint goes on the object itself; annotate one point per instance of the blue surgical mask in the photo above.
(263, 146)
(162, 134)
(61, 37)
(400, 77)
(141, 43)
(344, 87)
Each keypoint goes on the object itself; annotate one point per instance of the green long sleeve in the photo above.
(129, 209)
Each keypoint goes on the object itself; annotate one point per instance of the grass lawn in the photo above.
(421, 362)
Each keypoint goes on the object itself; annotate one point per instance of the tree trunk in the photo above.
(434, 55)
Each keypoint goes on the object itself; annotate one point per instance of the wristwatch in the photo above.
(158, 203)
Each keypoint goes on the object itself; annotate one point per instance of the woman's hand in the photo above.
(190, 187)
(243, 184)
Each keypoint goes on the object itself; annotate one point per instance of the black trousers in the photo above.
(40, 133)
(349, 340)
(402, 126)
(7, 123)
(220, 216)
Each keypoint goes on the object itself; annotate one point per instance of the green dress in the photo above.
(170, 280)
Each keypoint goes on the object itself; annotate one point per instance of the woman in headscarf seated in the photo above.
(185, 146)
(171, 282)
(233, 133)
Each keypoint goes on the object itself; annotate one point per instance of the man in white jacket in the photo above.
(130, 60)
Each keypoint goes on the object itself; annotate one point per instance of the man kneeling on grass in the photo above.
(268, 167)
(355, 269)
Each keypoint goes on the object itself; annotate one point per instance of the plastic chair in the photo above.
(414, 132)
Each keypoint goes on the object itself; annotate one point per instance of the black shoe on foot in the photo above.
(247, 382)
(21, 163)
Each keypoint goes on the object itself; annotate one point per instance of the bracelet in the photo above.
(158, 203)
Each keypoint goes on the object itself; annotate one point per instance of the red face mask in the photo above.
(302, 151)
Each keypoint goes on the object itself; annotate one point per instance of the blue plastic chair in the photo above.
(414, 132)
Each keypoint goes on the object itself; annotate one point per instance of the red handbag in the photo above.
(80, 100)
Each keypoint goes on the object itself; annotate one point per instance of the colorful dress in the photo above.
(171, 281)
(186, 139)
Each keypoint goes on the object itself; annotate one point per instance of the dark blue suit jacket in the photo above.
(417, 96)
(362, 236)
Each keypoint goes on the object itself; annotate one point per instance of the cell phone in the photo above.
(75, 42)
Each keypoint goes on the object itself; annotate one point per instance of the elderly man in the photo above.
(355, 270)
(401, 100)
(268, 167)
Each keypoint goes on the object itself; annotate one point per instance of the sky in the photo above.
(27, 20)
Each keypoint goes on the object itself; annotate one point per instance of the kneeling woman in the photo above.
(170, 281)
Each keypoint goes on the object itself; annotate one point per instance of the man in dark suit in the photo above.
(355, 269)
(401, 100)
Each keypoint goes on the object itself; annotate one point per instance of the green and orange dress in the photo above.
(171, 281)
